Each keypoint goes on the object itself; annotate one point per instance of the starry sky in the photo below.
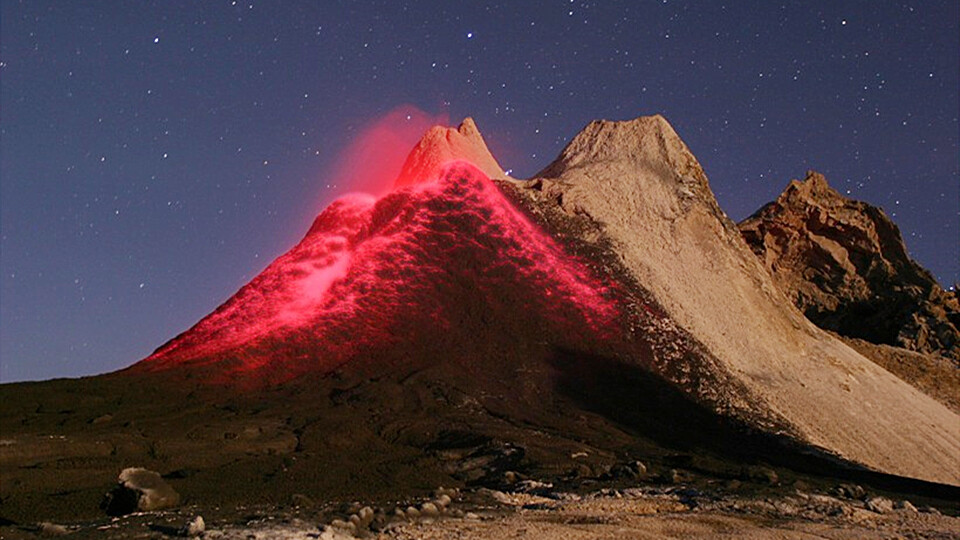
(155, 156)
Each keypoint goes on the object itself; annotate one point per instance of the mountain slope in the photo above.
(651, 200)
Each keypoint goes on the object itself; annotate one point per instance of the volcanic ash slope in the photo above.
(651, 200)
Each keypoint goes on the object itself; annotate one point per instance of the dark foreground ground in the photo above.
(559, 456)
(536, 511)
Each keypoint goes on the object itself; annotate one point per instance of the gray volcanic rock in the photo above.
(139, 489)
(845, 266)
(653, 208)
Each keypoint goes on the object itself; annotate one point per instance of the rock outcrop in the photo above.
(845, 266)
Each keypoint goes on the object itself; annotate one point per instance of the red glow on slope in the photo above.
(372, 160)
(447, 259)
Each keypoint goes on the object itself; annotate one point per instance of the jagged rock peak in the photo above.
(814, 186)
(845, 265)
(441, 145)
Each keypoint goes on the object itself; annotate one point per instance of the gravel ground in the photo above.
(648, 512)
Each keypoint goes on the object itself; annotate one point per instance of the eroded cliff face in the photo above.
(845, 266)
(653, 208)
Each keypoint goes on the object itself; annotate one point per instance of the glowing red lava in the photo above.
(440, 258)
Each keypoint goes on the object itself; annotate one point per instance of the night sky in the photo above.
(158, 155)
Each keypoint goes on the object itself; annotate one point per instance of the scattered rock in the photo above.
(534, 486)
(102, 419)
(366, 515)
(195, 527)
(52, 529)
(139, 490)
(632, 470)
(858, 515)
(429, 510)
(451, 493)
(341, 526)
(497, 496)
(443, 500)
(906, 506)
(333, 533)
(478, 459)
(301, 501)
(880, 505)
(672, 476)
(763, 475)
(850, 491)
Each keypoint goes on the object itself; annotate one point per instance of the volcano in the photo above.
(376, 277)
(448, 266)
(468, 327)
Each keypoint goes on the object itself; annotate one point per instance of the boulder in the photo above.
(139, 490)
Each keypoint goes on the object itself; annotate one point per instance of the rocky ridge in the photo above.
(845, 266)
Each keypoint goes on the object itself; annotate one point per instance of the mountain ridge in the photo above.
(845, 265)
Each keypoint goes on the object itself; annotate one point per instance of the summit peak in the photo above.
(441, 145)
(643, 140)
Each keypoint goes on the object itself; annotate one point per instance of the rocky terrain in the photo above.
(537, 510)
(845, 266)
(572, 353)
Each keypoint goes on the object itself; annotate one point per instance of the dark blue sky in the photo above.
(154, 156)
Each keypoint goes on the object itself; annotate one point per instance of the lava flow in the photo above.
(441, 265)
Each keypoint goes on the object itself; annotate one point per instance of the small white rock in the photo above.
(52, 529)
(429, 509)
(907, 506)
(196, 527)
(880, 505)
(366, 514)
